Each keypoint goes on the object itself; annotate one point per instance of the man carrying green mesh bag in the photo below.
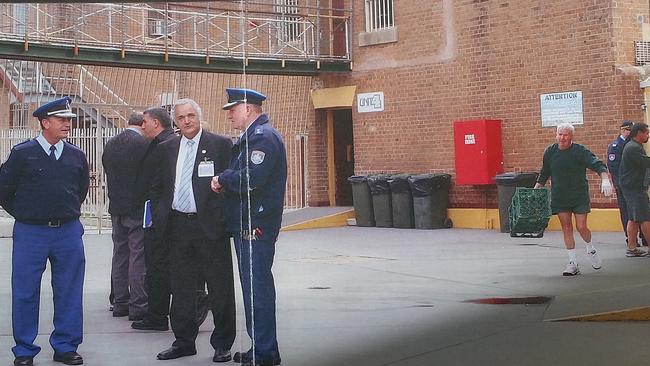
(566, 163)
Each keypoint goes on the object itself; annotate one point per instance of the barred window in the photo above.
(289, 20)
(379, 15)
(19, 18)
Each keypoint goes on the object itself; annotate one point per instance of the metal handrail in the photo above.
(179, 29)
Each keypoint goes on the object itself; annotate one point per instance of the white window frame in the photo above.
(19, 24)
(289, 27)
(380, 14)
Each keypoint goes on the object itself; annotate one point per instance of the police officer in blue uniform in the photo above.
(614, 154)
(42, 185)
(257, 174)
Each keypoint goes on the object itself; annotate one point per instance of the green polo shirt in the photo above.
(568, 172)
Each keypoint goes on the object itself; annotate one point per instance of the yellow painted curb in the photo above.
(634, 314)
(334, 220)
(600, 219)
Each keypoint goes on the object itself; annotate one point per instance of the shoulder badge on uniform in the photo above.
(257, 157)
(614, 144)
(612, 157)
(259, 131)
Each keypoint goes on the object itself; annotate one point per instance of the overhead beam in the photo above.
(156, 60)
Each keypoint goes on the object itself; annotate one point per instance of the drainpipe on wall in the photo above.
(645, 85)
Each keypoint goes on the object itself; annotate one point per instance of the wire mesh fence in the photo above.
(103, 98)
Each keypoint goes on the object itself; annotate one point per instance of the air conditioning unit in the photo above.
(157, 28)
(642, 52)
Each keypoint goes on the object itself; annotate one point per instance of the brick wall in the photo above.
(459, 60)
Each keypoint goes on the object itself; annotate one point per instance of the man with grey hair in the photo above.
(566, 163)
(121, 160)
(191, 217)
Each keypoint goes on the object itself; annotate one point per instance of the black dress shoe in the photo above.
(120, 311)
(246, 359)
(176, 352)
(259, 363)
(149, 325)
(136, 318)
(221, 355)
(24, 361)
(69, 358)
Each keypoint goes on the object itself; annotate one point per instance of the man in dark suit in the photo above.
(157, 127)
(191, 216)
(121, 161)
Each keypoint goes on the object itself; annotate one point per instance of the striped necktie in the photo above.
(185, 183)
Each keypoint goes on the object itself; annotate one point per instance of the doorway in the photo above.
(343, 156)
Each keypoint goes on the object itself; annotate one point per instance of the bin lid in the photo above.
(357, 179)
(423, 184)
(517, 178)
(399, 183)
(379, 184)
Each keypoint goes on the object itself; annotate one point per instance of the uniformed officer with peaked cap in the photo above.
(42, 185)
(614, 154)
(258, 166)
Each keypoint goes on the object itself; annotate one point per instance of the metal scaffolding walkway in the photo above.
(261, 37)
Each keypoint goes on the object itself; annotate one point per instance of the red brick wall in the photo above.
(459, 60)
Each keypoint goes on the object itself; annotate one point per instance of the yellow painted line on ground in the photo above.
(333, 220)
(633, 314)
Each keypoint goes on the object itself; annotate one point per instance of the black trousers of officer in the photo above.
(157, 277)
(193, 256)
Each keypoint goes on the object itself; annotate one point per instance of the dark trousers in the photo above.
(128, 266)
(264, 332)
(194, 256)
(622, 208)
(33, 246)
(157, 276)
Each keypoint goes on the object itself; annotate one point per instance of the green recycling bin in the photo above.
(381, 201)
(529, 212)
(362, 200)
(506, 185)
(430, 200)
(402, 201)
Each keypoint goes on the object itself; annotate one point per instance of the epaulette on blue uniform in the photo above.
(22, 143)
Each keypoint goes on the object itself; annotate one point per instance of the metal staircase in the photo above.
(32, 83)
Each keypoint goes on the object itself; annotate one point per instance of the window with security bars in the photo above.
(157, 25)
(289, 20)
(19, 18)
(379, 15)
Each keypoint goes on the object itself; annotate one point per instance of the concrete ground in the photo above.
(371, 296)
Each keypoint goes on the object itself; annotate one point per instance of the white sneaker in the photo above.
(571, 269)
(595, 259)
(636, 252)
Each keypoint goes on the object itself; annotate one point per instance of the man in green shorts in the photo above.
(566, 163)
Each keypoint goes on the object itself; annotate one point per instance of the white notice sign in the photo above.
(559, 108)
(370, 102)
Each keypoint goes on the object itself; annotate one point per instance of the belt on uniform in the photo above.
(187, 215)
(46, 222)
